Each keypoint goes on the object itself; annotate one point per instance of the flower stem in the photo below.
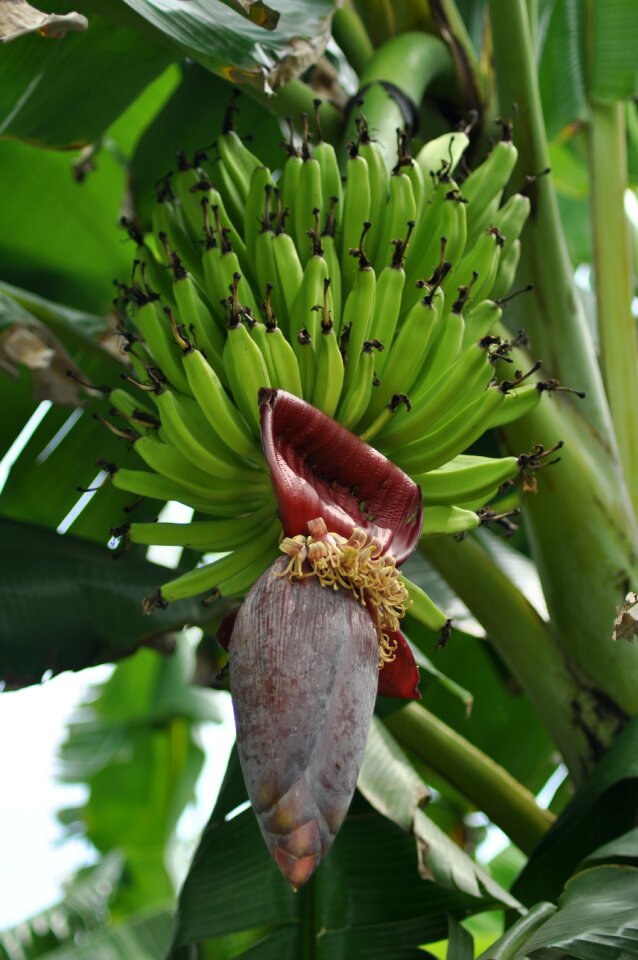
(506, 802)
(567, 700)
(350, 33)
(612, 259)
(553, 314)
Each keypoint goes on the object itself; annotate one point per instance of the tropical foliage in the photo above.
(538, 680)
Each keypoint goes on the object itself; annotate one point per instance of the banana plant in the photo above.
(322, 360)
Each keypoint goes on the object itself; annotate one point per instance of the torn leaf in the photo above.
(18, 18)
(626, 623)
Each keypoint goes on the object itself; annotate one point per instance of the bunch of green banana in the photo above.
(376, 300)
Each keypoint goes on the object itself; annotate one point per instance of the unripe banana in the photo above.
(439, 157)
(357, 203)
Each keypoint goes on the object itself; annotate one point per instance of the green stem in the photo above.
(613, 270)
(567, 702)
(409, 61)
(296, 97)
(553, 314)
(350, 33)
(492, 789)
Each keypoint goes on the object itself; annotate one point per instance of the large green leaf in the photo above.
(604, 808)
(560, 68)
(224, 42)
(392, 786)
(143, 937)
(613, 39)
(66, 94)
(597, 919)
(60, 238)
(132, 744)
(623, 849)
(83, 910)
(502, 717)
(65, 605)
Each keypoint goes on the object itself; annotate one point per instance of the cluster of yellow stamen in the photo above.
(356, 564)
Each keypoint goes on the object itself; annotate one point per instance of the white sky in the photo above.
(34, 861)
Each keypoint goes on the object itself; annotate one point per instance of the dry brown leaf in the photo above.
(626, 623)
(18, 18)
(41, 352)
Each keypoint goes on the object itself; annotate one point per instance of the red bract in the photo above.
(317, 636)
(320, 469)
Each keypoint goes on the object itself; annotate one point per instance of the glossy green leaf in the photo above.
(460, 942)
(507, 946)
(143, 937)
(366, 897)
(60, 238)
(613, 38)
(132, 744)
(501, 714)
(623, 849)
(67, 94)
(224, 42)
(603, 808)
(65, 605)
(560, 69)
(597, 919)
(392, 786)
(82, 911)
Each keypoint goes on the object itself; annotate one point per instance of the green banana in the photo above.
(310, 293)
(329, 373)
(479, 265)
(444, 388)
(356, 212)
(423, 609)
(225, 534)
(247, 371)
(237, 159)
(325, 155)
(197, 445)
(196, 317)
(408, 351)
(485, 185)
(166, 460)
(467, 478)
(387, 303)
(358, 313)
(506, 272)
(512, 217)
(372, 153)
(307, 360)
(221, 413)
(448, 521)
(455, 435)
(440, 157)
(289, 274)
(284, 367)
(254, 211)
(205, 578)
(334, 270)
(355, 402)
(309, 198)
(517, 403)
(400, 210)
(155, 327)
(481, 319)
(142, 483)
(289, 182)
